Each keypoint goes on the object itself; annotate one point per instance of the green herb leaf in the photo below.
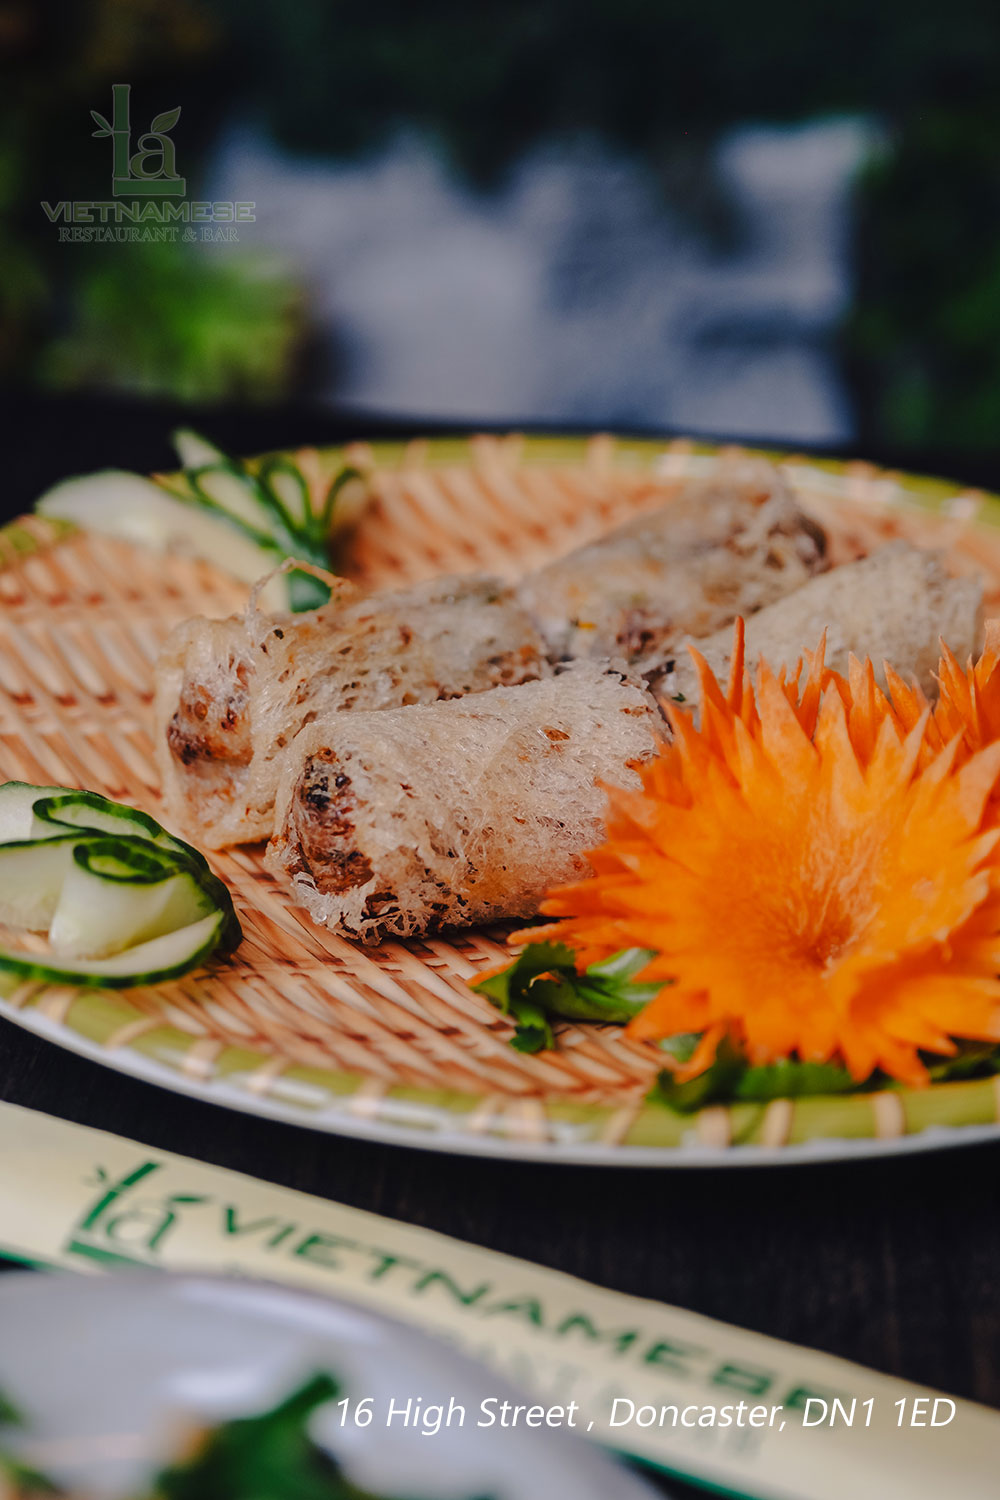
(22, 1479)
(731, 1079)
(972, 1060)
(10, 1416)
(265, 1457)
(25, 1481)
(791, 1079)
(682, 1046)
(269, 1457)
(715, 1085)
(544, 982)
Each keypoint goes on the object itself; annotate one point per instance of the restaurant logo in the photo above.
(124, 1226)
(148, 203)
(151, 171)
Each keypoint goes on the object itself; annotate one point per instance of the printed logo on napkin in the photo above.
(757, 1416)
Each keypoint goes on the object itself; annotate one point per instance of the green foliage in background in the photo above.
(175, 319)
(662, 78)
(150, 318)
(492, 78)
(487, 81)
(922, 343)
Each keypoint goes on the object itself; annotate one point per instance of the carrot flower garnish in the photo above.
(814, 868)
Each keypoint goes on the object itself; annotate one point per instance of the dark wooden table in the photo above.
(893, 1263)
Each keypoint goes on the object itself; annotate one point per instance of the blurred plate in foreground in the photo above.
(109, 1374)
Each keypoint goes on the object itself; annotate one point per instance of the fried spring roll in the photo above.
(723, 547)
(895, 606)
(407, 821)
(232, 694)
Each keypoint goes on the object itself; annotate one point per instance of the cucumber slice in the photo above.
(288, 486)
(306, 592)
(106, 841)
(92, 813)
(163, 958)
(227, 488)
(245, 518)
(193, 450)
(32, 875)
(346, 498)
(124, 505)
(114, 897)
(17, 800)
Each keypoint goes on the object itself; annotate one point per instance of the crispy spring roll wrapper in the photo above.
(232, 694)
(724, 546)
(416, 819)
(895, 606)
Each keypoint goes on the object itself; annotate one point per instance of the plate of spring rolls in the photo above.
(393, 780)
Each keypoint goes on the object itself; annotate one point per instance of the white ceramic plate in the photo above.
(106, 1371)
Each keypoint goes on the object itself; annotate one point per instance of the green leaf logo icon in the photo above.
(166, 121)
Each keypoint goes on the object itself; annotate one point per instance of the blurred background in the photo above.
(774, 222)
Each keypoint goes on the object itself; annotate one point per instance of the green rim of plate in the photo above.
(634, 1132)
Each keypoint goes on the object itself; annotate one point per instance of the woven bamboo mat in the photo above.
(391, 1040)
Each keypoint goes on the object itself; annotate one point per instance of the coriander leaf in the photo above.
(544, 982)
(972, 1060)
(682, 1046)
(622, 968)
(533, 1031)
(266, 1457)
(10, 1416)
(791, 1079)
(537, 959)
(731, 1079)
(715, 1085)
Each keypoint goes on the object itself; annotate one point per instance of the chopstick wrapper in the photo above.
(652, 1381)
